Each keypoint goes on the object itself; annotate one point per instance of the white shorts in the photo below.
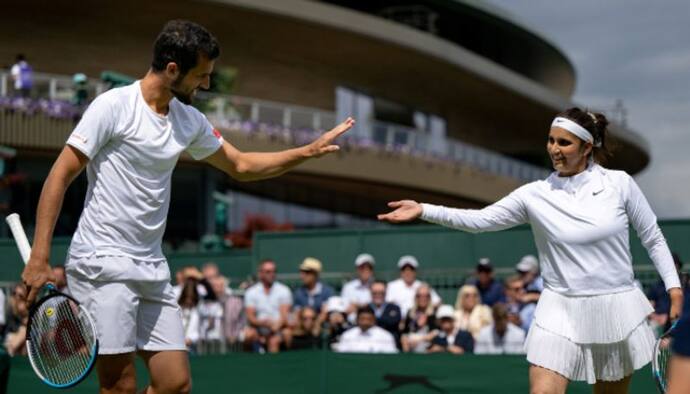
(130, 315)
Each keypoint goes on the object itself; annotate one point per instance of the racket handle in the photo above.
(19, 236)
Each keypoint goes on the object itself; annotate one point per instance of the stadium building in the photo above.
(453, 100)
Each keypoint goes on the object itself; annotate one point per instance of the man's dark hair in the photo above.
(365, 309)
(181, 42)
(20, 57)
(380, 282)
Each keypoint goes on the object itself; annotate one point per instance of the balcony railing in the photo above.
(298, 124)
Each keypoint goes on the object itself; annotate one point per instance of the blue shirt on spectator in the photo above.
(314, 298)
(492, 293)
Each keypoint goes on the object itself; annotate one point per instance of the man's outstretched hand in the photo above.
(324, 144)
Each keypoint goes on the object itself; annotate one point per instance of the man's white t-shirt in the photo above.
(132, 152)
(374, 340)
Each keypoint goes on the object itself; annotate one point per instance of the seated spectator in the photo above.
(356, 293)
(189, 301)
(519, 312)
(420, 323)
(60, 278)
(307, 334)
(336, 321)
(490, 290)
(211, 317)
(15, 330)
(658, 296)
(179, 283)
(470, 314)
(388, 315)
(528, 269)
(366, 337)
(210, 270)
(449, 339)
(313, 293)
(81, 91)
(402, 290)
(267, 305)
(501, 337)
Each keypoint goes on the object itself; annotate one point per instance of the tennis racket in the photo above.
(60, 336)
(661, 358)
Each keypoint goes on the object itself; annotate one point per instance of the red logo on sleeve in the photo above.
(217, 134)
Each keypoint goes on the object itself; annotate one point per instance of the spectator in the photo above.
(659, 298)
(388, 315)
(3, 313)
(420, 323)
(210, 270)
(15, 330)
(22, 74)
(307, 334)
(356, 293)
(366, 337)
(211, 317)
(490, 290)
(189, 301)
(313, 293)
(450, 339)
(336, 321)
(528, 269)
(234, 319)
(402, 290)
(81, 91)
(501, 337)
(470, 314)
(519, 312)
(267, 305)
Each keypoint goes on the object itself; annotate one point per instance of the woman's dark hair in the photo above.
(181, 42)
(597, 124)
(189, 292)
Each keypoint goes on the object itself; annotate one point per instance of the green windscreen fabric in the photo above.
(320, 372)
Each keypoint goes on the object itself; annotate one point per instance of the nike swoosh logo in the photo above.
(595, 193)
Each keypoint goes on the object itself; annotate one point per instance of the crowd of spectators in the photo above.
(368, 315)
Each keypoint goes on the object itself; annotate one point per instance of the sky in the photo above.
(637, 51)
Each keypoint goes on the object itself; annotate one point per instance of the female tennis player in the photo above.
(590, 322)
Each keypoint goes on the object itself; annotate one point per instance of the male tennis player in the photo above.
(129, 140)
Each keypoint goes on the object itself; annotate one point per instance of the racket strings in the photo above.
(61, 340)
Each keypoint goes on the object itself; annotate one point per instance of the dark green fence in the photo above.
(319, 372)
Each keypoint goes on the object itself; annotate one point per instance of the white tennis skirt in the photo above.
(591, 338)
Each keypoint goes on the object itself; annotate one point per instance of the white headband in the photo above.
(576, 129)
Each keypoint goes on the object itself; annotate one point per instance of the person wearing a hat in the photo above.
(490, 290)
(356, 293)
(336, 320)
(313, 292)
(528, 269)
(402, 290)
(448, 338)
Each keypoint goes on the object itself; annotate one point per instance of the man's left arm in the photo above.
(251, 166)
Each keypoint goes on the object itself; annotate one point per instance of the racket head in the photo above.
(661, 358)
(62, 342)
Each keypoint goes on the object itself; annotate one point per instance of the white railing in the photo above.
(299, 124)
(52, 86)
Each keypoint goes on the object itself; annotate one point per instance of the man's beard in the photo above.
(185, 98)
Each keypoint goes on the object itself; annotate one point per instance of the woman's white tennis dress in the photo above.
(590, 322)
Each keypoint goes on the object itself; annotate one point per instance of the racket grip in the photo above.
(19, 236)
